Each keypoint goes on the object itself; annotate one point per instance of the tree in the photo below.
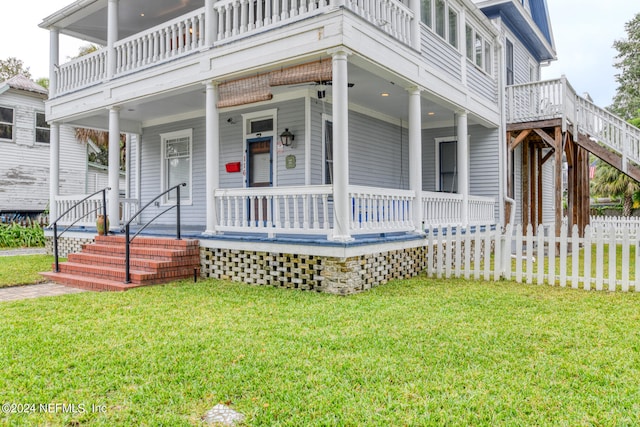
(11, 67)
(626, 102)
(98, 137)
(609, 182)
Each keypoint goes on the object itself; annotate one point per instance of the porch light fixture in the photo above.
(286, 138)
(384, 94)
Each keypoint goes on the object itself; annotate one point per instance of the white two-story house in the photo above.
(319, 141)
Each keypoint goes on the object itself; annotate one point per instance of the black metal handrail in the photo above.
(126, 227)
(54, 225)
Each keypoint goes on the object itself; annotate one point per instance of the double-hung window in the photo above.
(328, 150)
(43, 133)
(6, 123)
(176, 164)
(479, 49)
(442, 19)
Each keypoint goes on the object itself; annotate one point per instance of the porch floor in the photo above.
(196, 232)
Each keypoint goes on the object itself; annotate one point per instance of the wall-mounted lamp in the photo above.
(286, 138)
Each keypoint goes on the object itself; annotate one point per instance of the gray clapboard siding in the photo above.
(151, 182)
(319, 108)
(441, 54)
(378, 153)
(481, 83)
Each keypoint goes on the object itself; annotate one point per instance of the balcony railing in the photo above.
(230, 20)
(557, 99)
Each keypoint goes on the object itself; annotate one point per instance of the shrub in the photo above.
(18, 236)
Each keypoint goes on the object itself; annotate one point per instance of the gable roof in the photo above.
(532, 28)
(20, 82)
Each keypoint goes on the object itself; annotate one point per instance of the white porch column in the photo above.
(415, 24)
(341, 202)
(54, 60)
(113, 204)
(212, 137)
(54, 170)
(211, 23)
(463, 164)
(112, 37)
(138, 139)
(415, 156)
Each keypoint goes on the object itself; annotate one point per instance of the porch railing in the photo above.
(230, 20)
(309, 210)
(238, 17)
(82, 210)
(161, 43)
(482, 210)
(377, 210)
(292, 210)
(445, 209)
(557, 99)
(391, 16)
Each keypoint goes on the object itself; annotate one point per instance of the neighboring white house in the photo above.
(25, 144)
(329, 132)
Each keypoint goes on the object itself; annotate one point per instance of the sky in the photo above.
(584, 32)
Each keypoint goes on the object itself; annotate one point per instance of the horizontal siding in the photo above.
(73, 163)
(378, 153)
(151, 182)
(482, 84)
(24, 164)
(441, 54)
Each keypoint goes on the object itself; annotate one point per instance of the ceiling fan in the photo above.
(321, 92)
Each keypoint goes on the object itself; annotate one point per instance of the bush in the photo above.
(18, 236)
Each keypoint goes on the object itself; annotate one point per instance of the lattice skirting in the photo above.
(312, 272)
(67, 245)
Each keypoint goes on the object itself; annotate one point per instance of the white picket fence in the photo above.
(605, 258)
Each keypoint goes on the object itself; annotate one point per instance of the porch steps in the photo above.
(101, 265)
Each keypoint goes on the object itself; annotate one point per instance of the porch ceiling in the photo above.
(366, 95)
(87, 19)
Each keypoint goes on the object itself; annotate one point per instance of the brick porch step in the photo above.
(101, 265)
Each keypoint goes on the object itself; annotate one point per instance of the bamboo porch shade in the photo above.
(258, 88)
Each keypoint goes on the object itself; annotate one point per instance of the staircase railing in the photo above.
(127, 226)
(557, 99)
(54, 225)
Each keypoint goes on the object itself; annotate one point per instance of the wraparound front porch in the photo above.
(307, 212)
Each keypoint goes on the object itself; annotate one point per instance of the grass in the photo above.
(412, 352)
(23, 270)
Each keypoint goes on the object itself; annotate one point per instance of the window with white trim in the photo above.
(327, 131)
(43, 132)
(442, 19)
(479, 50)
(176, 164)
(6, 123)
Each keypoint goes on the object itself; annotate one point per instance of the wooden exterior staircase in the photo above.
(100, 266)
(548, 119)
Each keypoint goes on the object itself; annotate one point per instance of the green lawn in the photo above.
(412, 352)
(23, 270)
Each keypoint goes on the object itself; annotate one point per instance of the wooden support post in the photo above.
(526, 197)
(558, 180)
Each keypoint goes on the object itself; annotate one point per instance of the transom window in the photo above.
(443, 19)
(43, 132)
(176, 164)
(6, 123)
